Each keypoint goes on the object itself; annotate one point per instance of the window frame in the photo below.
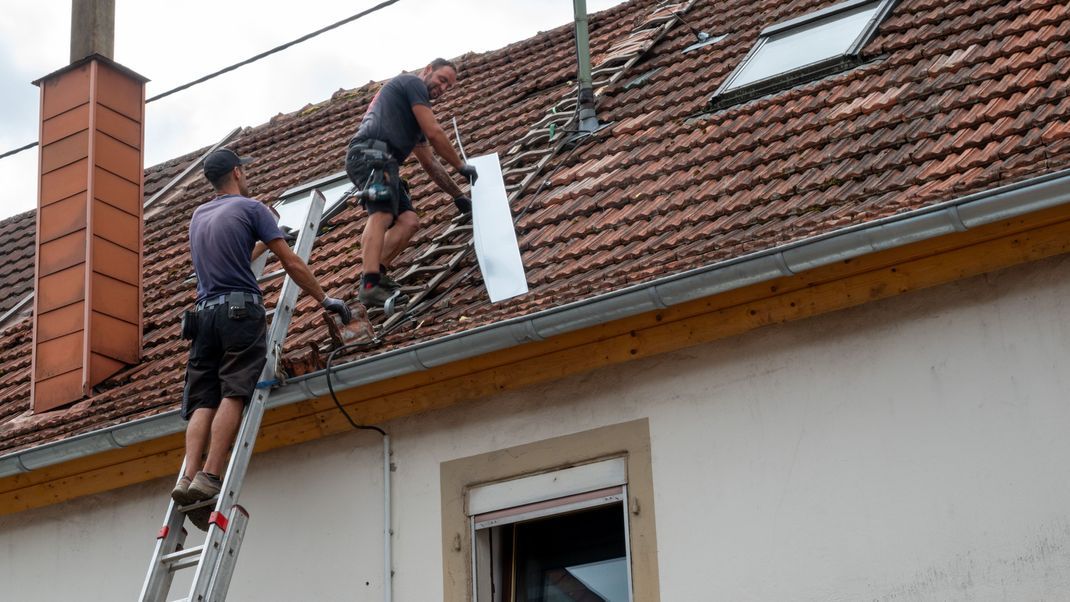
(513, 501)
(329, 210)
(727, 96)
(630, 440)
(484, 563)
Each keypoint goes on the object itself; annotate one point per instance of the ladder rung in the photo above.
(197, 505)
(452, 231)
(438, 250)
(181, 559)
(433, 268)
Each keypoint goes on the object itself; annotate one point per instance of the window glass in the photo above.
(606, 578)
(576, 556)
(293, 208)
(806, 44)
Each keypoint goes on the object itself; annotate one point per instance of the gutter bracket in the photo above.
(783, 264)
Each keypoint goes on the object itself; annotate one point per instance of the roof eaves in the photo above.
(957, 215)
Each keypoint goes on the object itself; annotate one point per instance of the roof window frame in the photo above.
(333, 207)
(850, 58)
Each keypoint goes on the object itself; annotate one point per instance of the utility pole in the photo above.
(92, 28)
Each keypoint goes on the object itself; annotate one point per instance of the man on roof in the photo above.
(228, 330)
(399, 121)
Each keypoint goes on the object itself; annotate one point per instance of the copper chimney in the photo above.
(88, 298)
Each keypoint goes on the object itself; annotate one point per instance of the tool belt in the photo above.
(379, 146)
(384, 173)
(237, 304)
(234, 300)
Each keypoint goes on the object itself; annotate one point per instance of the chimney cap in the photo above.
(93, 57)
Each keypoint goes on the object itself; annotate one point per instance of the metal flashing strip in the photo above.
(1014, 200)
(18, 307)
(189, 168)
(814, 16)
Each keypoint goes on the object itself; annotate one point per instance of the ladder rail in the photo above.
(250, 425)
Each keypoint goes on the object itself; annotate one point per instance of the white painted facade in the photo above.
(911, 449)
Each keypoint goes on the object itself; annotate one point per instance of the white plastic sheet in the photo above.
(495, 238)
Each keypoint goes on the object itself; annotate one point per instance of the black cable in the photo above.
(264, 54)
(330, 387)
(18, 150)
(700, 35)
(371, 10)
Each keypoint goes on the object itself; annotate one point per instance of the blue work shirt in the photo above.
(222, 235)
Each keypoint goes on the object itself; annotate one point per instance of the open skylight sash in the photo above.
(802, 49)
(811, 43)
(495, 239)
(294, 204)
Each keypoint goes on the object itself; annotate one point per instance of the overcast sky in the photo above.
(172, 43)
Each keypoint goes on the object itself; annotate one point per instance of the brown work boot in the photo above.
(203, 487)
(181, 491)
(201, 517)
(374, 296)
(389, 283)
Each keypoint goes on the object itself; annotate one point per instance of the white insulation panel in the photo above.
(495, 238)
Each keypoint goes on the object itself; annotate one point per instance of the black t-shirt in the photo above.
(390, 118)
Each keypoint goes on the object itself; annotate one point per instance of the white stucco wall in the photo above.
(913, 449)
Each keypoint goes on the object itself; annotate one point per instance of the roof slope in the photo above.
(954, 98)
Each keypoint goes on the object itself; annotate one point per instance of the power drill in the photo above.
(376, 189)
(374, 193)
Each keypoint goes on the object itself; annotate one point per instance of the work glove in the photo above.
(463, 203)
(469, 172)
(339, 307)
(289, 235)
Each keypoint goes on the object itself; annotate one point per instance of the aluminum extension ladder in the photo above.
(214, 560)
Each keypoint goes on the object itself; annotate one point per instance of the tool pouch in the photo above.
(384, 170)
(236, 306)
(189, 324)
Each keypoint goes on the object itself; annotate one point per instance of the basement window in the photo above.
(293, 206)
(803, 49)
(553, 537)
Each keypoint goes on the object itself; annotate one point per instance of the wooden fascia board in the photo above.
(822, 290)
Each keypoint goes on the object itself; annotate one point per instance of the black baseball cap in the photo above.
(220, 162)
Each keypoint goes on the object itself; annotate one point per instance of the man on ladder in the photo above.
(227, 328)
(399, 121)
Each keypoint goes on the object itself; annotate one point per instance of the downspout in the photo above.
(388, 533)
(585, 114)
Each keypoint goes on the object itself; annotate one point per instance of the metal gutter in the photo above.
(958, 215)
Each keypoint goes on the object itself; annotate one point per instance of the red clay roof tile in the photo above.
(953, 98)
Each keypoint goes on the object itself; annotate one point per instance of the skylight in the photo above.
(803, 49)
(294, 204)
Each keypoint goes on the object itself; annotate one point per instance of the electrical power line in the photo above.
(18, 150)
(253, 59)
